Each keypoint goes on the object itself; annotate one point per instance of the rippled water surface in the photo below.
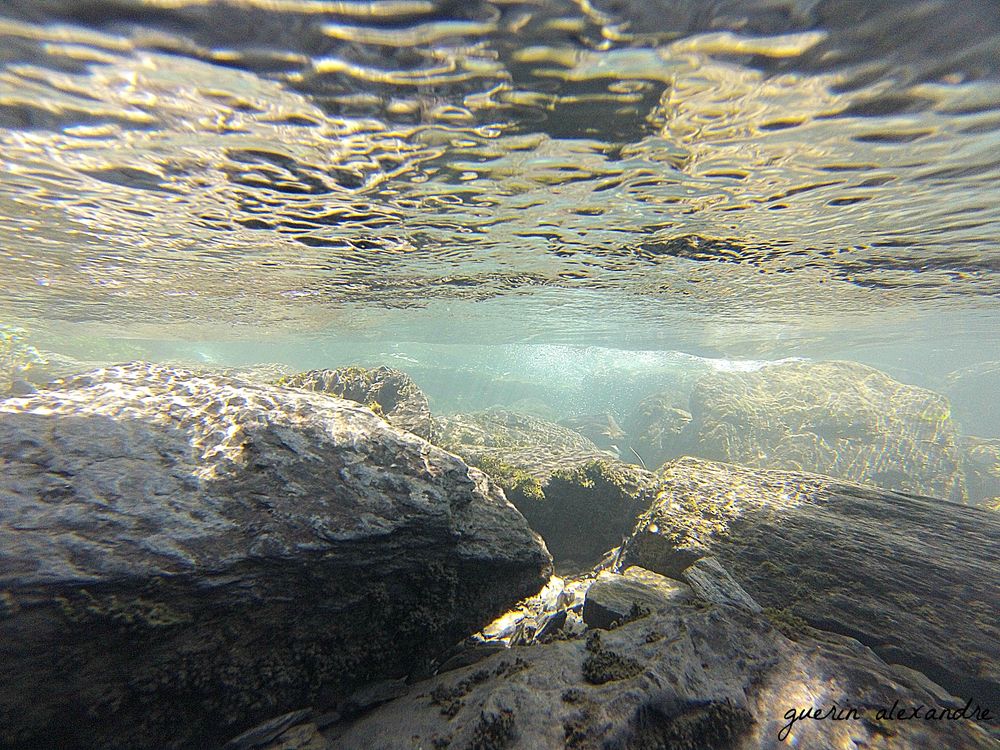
(269, 161)
(760, 177)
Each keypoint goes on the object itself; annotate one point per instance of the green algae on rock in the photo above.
(579, 498)
(843, 419)
(658, 429)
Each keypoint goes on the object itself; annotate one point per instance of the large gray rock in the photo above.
(391, 393)
(915, 578)
(686, 678)
(843, 419)
(182, 557)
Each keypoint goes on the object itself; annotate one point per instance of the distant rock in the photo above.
(842, 419)
(982, 470)
(17, 360)
(184, 556)
(579, 498)
(686, 677)
(973, 390)
(390, 393)
(913, 577)
(531, 444)
(601, 429)
(262, 373)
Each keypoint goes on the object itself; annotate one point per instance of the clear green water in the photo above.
(555, 206)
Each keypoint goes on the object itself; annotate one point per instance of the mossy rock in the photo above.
(843, 419)
(580, 499)
(911, 576)
(391, 394)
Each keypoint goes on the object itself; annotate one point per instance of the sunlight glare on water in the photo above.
(266, 164)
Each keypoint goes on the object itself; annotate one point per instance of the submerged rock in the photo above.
(913, 577)
(712, 583)
(183, 556)
(390, 393)
(982, 470)
(527, 444)
(579, 498)
(614, 599)
(843, 419)
(601, 429)
(686, 677)
(18, 361)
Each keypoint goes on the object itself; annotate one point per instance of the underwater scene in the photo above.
(499, 374)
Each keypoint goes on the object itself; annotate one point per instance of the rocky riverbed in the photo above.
(192, 559)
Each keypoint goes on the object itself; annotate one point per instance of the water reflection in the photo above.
(261, 160)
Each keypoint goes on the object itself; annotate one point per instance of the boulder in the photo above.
(580, 499)
(185, 556)
(913, 577)
(686, 677)
(842, 419)
(614, 598)
(389, 393)
(530, 445)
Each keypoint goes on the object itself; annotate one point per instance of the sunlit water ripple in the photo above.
(578, 169)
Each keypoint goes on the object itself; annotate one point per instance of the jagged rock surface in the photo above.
(914, 577)
(842, 419)
(183, 556)
(392, 392)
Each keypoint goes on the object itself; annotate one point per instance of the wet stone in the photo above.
(910, 576)
(614, 598)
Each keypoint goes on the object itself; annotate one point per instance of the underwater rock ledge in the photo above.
(183, 556)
